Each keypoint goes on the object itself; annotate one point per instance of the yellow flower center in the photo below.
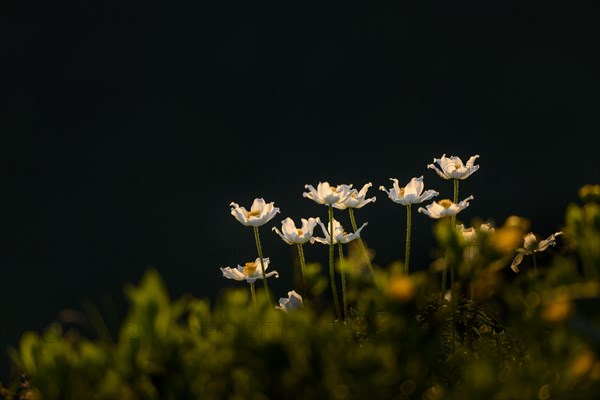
(446, 203)
(333, 188)
(401, 194)
(456, 166)
(249, 269)
(254, 213)
(299, 232)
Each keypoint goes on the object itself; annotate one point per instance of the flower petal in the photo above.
(232, 273)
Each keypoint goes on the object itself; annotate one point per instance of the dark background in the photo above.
(127, 129)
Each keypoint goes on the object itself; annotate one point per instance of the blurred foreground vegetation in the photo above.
(501, 335)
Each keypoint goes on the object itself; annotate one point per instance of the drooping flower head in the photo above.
(444, 208)
(357, 199)
(412, 193)
(453, 168)
(293, 302)
(339, 235)
(531, 245)
(292, 235)
(260, 213)
(327, 194)
(250, 272)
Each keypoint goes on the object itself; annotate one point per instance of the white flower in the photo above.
(327, 194)
(453, 168)
(293, 302)
(250, 272)
(411, 193)
(292, 235)
(469, 234)
(357, 199)
(531, 245)
(339, 236)
(444, 208)
(260, 213)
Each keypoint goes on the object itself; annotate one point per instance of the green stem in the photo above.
(453, 298)
(262, 264)
(444, 276)
(336, 302)
(253, 294)
(453, 306)
(455, 198)
(302, 267)
(408, 233)
(344, 298)
(360, 242)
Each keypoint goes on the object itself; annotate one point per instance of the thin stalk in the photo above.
(336, 301)
(344, 298)
(302, 267)
(360, 242)
(534, 262)
(253, 294)
(408, 233)
(262, 264)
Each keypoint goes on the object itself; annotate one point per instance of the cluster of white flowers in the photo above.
(345, 197)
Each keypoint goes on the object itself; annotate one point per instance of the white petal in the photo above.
(232, 273)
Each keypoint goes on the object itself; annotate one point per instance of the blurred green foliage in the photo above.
(494, 335)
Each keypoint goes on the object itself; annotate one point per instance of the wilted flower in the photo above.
(357, 199)
(292, 235)
(339, 236)
(412, 193)
(249, 272)
(260, 213)
(532, 245)
(453, 167)
(327, 194)
(293, 302)
(444, 208)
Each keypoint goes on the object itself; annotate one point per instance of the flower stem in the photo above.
(534, 262)
(360, 242)
(302, 265)
(253, 293)
(455, 198)
(262, 263)
(336, 302)
(344, 298)
(408, 233)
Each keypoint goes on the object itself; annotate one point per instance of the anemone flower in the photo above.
(531, 245)
(453, 168)
(329, 195)
(260, 213)
(292, 302)
(357, 199)
(298, 236)
(444, 208)
(249, 273)
(410, 194)
(339, 237)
